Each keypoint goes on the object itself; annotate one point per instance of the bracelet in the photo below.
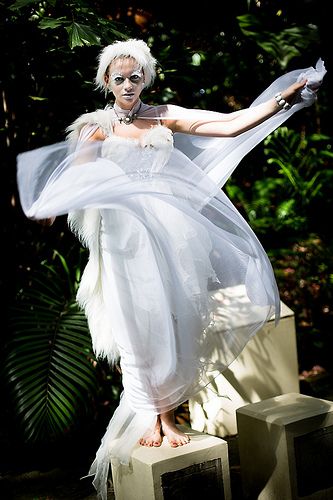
(282, 102)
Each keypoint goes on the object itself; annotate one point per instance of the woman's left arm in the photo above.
(242, 120)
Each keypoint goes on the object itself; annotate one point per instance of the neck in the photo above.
(125, 112)
(127, 116)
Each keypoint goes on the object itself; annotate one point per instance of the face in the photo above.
(125, 79)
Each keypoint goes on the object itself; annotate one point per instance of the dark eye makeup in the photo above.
(118, 79)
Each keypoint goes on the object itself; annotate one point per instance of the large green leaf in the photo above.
(49, 363)
(80, 35)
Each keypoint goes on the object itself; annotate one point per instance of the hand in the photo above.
(314, 76)
(292, 94)
(314, 86)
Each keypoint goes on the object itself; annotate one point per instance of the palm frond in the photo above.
(49, 363)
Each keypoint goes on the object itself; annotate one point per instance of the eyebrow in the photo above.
(115, 75)
(138, 72)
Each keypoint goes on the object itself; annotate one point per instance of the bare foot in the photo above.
(154, 439)
(171, 431)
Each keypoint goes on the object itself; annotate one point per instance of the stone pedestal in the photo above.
(199, 469)
(267, 367)
(286, 448)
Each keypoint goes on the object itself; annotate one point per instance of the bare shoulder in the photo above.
(169, 114)
(98, 135)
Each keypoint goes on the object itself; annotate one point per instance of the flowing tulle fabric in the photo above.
(175, 274)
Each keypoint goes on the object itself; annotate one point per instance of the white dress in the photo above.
(167, 251)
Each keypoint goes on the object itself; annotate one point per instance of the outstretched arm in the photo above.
(240, 121)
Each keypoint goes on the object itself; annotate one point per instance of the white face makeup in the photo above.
(126, 81)
(135, 77)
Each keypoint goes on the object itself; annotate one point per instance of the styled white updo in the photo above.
(137, 49)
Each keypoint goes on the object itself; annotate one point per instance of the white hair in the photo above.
(137, 49)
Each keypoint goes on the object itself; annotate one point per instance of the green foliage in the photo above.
(49, 364)
(298, 182)
(82, 24)
(302, 161)
(304, 272)
(283, 45)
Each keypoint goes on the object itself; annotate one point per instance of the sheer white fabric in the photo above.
(167, 251)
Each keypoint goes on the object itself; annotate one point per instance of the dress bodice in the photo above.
(151, 150)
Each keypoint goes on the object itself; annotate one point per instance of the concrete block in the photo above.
(199, 469)
(267, 367)
(286, 448)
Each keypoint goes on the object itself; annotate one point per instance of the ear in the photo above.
(106, 79)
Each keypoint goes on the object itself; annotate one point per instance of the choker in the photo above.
(125, 116)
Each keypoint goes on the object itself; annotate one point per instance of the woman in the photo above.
(174, 271)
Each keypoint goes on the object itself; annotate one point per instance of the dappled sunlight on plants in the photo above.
(305, 275)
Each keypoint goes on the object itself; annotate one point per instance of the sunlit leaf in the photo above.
(51, 23)
(80, 34)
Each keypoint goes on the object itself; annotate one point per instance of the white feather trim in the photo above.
(85, 224)
(100, 118)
